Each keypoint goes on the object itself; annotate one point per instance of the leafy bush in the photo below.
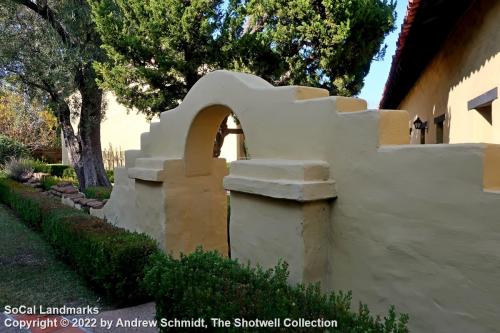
(98, 192)
(11, 149)
(18, 169)
(110, 258)
(39, 166)
(58, 169)
(49, 181)
(205, 285)
(111, 175)
(69, 173)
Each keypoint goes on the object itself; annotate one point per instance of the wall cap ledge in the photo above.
(152, 175)
(295, 190)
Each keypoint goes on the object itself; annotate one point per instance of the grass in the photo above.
(98, 192)
(30, 272)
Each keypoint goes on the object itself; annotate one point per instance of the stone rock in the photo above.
(74, 196)
(95, 204)
(67, 202)
(99, 213)
(40, 175)
(78, 200)
(25, 176)
(56, 193)
(64, 184)
(69, 190)
(85, 201)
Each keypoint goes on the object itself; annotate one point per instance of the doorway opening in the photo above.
(214, 136)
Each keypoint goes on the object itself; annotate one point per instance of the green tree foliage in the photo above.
(50, 46)
(160, 48)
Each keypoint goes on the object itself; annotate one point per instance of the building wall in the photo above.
(467, 66)
(120, 128)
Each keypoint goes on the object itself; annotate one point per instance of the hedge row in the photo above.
(110, 258)
(206, 285)
(57, 170)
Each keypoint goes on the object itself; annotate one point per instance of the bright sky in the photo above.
(379, 70)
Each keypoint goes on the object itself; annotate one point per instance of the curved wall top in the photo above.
(263, 111)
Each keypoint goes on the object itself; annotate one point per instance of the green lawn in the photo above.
(30, 274)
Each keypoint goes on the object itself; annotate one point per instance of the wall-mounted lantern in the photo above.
(420, 125)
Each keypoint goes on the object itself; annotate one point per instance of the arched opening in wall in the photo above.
(205, 167)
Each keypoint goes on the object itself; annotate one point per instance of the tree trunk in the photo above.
(71, 141)
(85, 148)
(221, 136)
(90, 169)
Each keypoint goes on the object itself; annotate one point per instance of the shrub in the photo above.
(11, 149)
(25, 201)
(205, 285)
(58, 169)
(18, 169)
(98, 192)
(69, 173)
(111, 175)
(49, 181)
(39, 166)
(110, 258)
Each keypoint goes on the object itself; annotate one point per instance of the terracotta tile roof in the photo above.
(411, 13)
(426, 25)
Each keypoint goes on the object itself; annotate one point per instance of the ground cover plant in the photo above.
(98, 192)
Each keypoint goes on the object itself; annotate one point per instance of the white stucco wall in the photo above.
(334, 189)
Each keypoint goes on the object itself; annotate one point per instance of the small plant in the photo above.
(98, 192)
(69, 173)
(111, 175)
(39, 166)
(49, 181)
(18, 169)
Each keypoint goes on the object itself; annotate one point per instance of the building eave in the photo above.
(424, 30)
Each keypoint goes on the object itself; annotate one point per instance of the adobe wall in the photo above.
(332, 188)
(467, 66)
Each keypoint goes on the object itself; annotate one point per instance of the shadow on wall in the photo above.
(446, 85)
(473, 45)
